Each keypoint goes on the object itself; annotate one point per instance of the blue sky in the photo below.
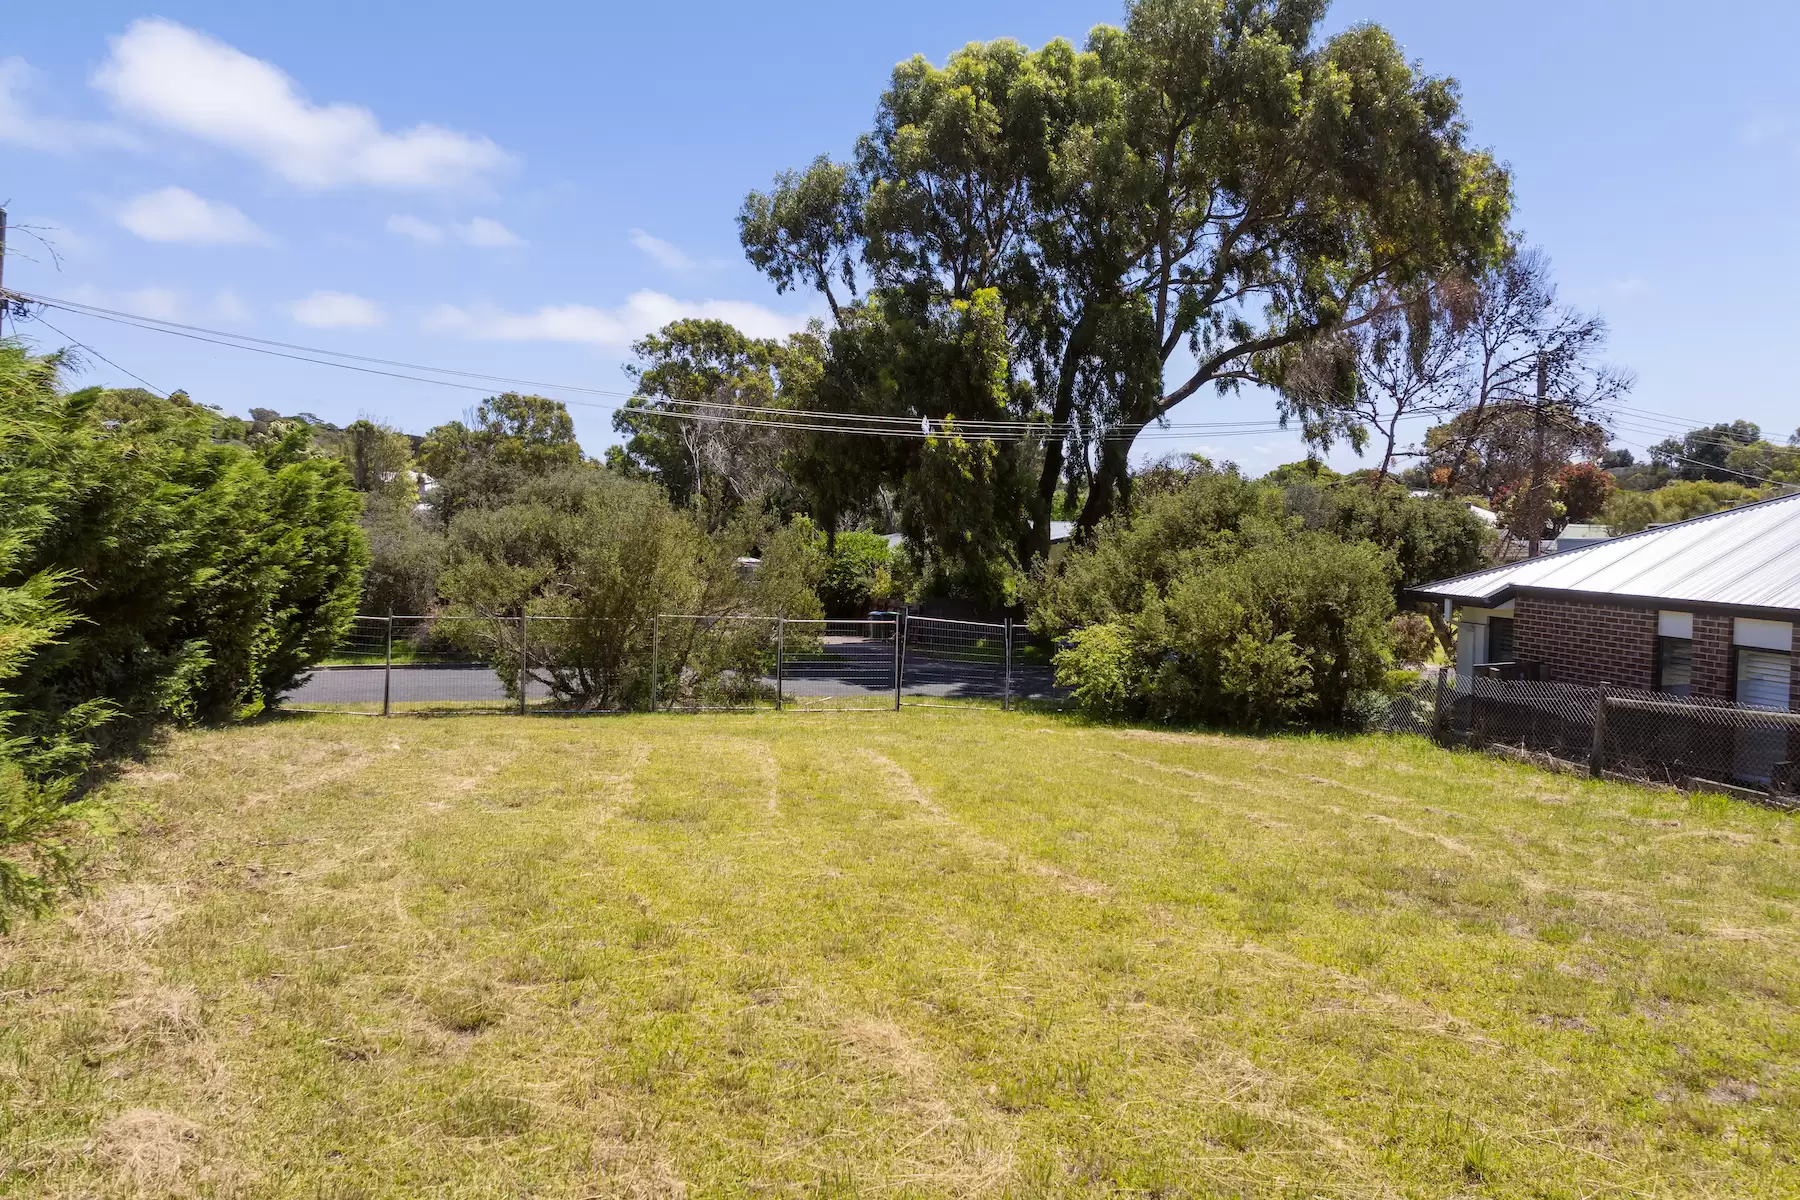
(522, 189)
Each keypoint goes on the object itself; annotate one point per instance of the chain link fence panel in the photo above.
(1647, 736)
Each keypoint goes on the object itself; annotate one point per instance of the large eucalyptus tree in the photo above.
(1182, 205)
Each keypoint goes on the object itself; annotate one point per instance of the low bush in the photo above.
(1214, 605)
(611, 553)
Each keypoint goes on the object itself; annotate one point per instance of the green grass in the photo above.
(926, 954)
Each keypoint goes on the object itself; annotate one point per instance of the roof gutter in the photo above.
(1512, 591)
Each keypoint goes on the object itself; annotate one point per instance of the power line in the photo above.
(804, 420)
(810, 420)
(109, 362)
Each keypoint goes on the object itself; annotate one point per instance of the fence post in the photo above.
(1597, 761)
(524, 659)
(1006, 687)
(387, 670)
(1438, 709)
(655, 657)
(780, 636)
(899, 654)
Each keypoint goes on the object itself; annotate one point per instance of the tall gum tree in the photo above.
(1180, 205)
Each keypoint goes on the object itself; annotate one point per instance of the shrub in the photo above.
(1632, 512)
(1212, 604)
(204, 576)
(857, 573)
(150, 570)
(1285, 631)
(1098, 664)
(1412, 638)
(612, 554)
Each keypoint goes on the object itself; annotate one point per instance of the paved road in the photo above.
(856, 668)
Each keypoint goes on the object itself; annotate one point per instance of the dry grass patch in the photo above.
(914, 954)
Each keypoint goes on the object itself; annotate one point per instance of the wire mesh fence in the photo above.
(688, 662)
(837, 664)
(1649, 736)
(713, 663)
(944, 661)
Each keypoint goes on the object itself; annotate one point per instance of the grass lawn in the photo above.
(930, 953)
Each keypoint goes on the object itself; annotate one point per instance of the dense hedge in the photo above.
(150, 571)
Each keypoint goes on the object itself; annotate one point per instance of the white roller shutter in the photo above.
(1764, 678)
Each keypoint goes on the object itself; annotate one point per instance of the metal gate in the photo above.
(837, 664)
(952, 662)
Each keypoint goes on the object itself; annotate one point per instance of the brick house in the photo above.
(1704, 608)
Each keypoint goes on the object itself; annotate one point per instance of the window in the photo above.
(1675, 665)
(1500, 640)
(1763, 677)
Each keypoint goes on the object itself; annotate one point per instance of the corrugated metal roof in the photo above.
(1745, 557)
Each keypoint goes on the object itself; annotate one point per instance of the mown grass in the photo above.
(928, 953)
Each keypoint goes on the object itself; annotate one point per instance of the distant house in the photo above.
(1704, 608)
(1575, 536)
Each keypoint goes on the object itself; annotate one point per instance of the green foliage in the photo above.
(1631, 512)
(611, 553)
(381, 467)
(803, 233)
(405, 559)
(1430, 539)
(1123, 198)
(208, 575)
(1704, 454)
(514, 438)
(1412, 637)
(1284, 631)
(150, 570)
(857, 574)
(699, 370)
(1099, 663)
(962, 497)
(1215, 603)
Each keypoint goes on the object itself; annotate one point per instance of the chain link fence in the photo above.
(1647, 736)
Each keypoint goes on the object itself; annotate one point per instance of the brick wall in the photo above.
(1712, 656)
(1586, 643)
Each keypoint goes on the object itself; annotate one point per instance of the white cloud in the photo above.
(336, 310)
(168, 74)
(20, 126)
(175, 214)
(483, 232)
(1765, 129)
(488, 234)
(666, 254)
(227, 305)
(614, 328)
(164, 304)
(416, 229)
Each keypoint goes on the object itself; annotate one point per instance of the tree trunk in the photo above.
(1534, 495)
(1037, 545)
(1111, 490)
